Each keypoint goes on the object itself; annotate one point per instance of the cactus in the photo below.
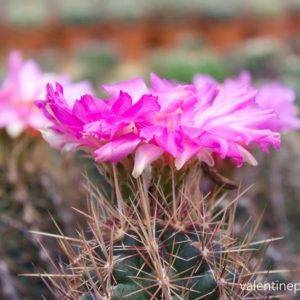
(162, 239)
(157, 246)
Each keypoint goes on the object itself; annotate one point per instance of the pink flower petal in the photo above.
(144, 156)
(159, 84)
(248, 157)
(146, 105)
(171, 141)
(24, 84)
(118, 149)
(89, 108)
(136, 88)
(122, 104)
(189, 151)
(281, 99)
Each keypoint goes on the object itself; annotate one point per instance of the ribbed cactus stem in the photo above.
(149, 254)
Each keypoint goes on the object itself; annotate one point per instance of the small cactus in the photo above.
(157, 246)
(162, 239)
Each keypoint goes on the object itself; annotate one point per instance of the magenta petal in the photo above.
(89, 108)
(122, 104)
(146, 105)
(117, 149)
(42, 105)
(64, 116)
(170, 141)
(190, 149)
(59, 108)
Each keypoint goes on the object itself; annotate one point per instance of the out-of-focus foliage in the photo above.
(95, 62)
(182, 65)
(33, 12)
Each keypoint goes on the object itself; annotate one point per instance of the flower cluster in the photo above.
(23, 85)
(272, 95)
(168, 119)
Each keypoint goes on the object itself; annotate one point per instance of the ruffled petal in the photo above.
(122, 104)
(147, 105)
(171, 141)
(89, 108)
(135, 87)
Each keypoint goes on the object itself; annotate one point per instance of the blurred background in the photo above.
(102, 41)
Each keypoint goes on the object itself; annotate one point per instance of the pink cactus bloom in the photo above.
(271, 95)
(282, 99)
(276, 96)
(24, 84)
(181, 121)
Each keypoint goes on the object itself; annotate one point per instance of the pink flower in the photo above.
(282, 99)
(24, 84)
(273, 95)
(107, 128)
(181, 121)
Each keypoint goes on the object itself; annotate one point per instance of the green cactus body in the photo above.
(158, 247)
